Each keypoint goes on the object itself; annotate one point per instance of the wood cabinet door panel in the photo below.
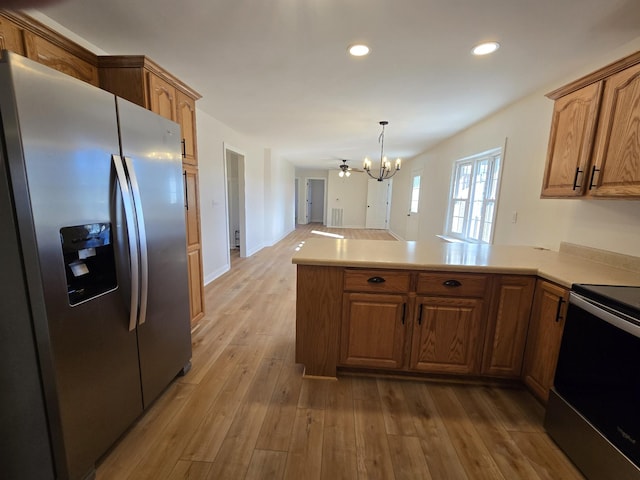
(571, 142)
(616, 163)
(186, 117)
(11, 37)
(162, 97)
(373, 330)
(194, 265)
(192, 209)
(318, 318)
(543, 339)
(506, 333)
(46, 53)
(447, 336)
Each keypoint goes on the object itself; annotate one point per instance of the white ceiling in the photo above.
(278, 70)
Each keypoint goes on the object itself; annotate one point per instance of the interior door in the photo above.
(378, 203)
(316, 200)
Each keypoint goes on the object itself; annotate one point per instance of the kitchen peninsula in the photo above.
(439, 308)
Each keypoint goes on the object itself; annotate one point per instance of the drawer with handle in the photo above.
(377, 281)
(452, 284)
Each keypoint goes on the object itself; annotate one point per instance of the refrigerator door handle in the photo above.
(142, 241)
(133, 239)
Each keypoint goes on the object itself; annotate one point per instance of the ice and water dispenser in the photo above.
(90, 263)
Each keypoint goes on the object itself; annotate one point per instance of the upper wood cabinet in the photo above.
(186, 117)
(47, 53)
(571, 141)
(11, 36)
(142, 81)
(593, 145)
(162, 97)
(615, 168)
(26, 36)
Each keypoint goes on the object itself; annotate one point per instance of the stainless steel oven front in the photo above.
(593, 412)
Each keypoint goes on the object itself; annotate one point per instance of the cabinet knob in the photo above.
(452, 283)
(376, 280)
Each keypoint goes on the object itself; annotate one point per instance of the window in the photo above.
(472, 201)
(415, 194)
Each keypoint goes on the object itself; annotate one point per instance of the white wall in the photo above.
(263, 174)
(349, 194)
(606, 224)
(279, 198)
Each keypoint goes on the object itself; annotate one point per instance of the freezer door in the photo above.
(152, 154)
(25, 451)
(60, 135)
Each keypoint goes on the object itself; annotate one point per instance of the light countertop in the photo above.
(557, 267)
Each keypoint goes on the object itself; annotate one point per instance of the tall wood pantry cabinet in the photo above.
(142, 81)
(593, 145)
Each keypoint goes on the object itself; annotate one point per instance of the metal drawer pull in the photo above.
(452, 283)
(376, 280)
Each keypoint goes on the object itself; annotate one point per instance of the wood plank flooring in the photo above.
(245, 412)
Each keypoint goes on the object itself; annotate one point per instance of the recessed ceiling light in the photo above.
(358, 50)
(485, 48)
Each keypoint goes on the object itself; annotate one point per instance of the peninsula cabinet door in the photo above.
(615, 171)
(545, 335)
(373, 330)
(447, 335)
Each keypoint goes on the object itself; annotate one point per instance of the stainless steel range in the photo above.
(593, 412)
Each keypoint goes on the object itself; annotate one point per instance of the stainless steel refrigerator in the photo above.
(94, 299)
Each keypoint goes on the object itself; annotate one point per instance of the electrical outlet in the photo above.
(514, 217)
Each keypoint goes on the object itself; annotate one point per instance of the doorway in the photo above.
(315, 200)
(236, 222)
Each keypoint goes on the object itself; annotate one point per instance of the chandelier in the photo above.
(385, 165)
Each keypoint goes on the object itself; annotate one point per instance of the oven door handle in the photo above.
(601, 312)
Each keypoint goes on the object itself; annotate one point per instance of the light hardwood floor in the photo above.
(245, 412)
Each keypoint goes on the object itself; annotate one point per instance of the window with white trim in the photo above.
(473, 197)
(415, 194)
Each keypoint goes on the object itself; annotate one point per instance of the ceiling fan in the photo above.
(345, 170)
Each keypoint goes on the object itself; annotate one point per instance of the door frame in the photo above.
(241, 199)
(306, 199)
